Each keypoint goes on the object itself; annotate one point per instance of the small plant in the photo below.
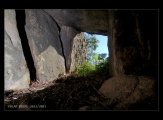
(86, 69)
(95, 70)
(102, 69)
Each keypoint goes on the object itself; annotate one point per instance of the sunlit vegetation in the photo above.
(97, 65)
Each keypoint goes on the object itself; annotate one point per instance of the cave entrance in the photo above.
(20, 18)
(97, 59)
(97, 46)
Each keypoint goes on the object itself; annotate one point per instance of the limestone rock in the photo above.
(124, 92)
(45, 45)
(16, 71)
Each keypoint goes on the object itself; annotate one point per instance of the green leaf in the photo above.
(95, 57)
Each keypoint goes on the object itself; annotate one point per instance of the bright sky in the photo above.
(102, 45)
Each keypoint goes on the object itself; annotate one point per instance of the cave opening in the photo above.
(97, 58)
(20, 18)
(97, 45)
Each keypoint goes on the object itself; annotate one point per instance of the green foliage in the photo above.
(96, 57)
(86, 69)
(96, 65)
(101, 69)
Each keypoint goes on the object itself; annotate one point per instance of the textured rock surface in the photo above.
(45, 45)
(133, 42)
(133, 39)
(79, 51)
(67, 35)
(74, 45)
(92, 21)
(133, 36)
(16, 71)
(125, 91)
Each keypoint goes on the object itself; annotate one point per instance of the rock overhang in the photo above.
(85, 20)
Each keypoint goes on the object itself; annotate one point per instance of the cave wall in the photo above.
(133, 36)
(45, 45)
(51, 45)
(56, 42)
(53, 48)
(15, 67)
(133, 42)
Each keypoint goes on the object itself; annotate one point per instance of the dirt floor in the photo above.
(66, 93)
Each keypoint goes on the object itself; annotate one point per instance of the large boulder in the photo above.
(16, 71)
(74, 47)
(45, 44)
(130, 92)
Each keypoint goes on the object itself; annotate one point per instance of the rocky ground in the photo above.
(74, 92)
(66, 93)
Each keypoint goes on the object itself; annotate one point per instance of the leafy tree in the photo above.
(91, 46)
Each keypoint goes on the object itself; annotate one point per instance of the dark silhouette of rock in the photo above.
(127, 92)
(133, 42)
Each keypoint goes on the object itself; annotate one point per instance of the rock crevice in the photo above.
(43, 37)
(20, 18)
(59, 34)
